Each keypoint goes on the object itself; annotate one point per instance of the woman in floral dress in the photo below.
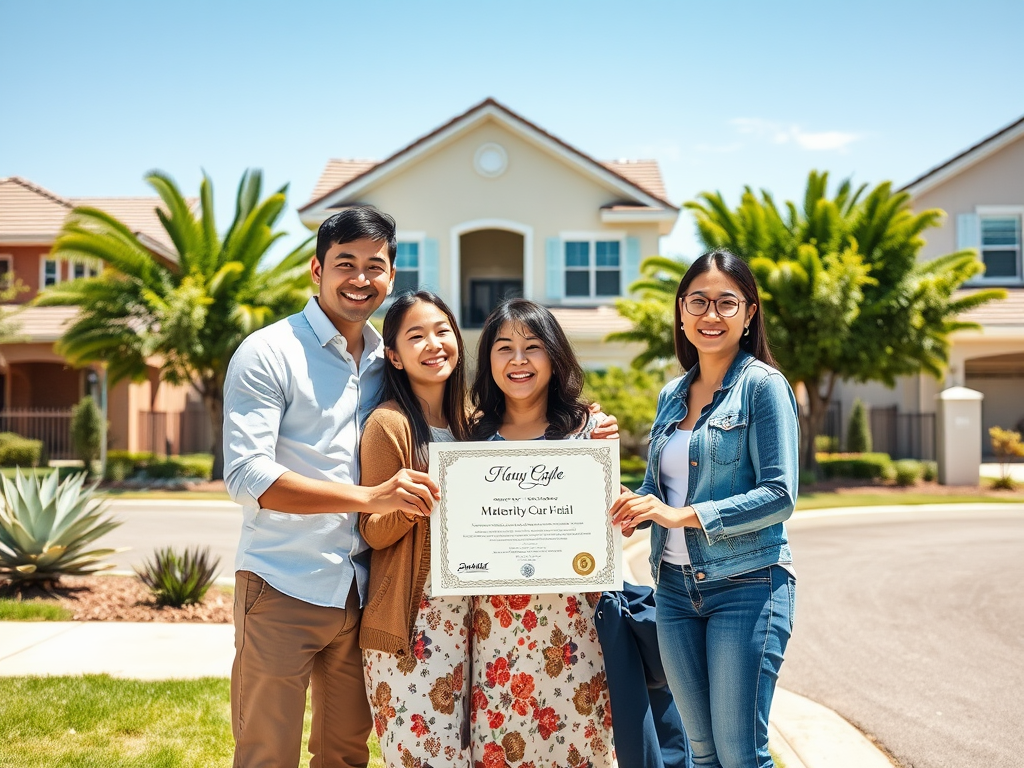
(415, 645)
(539, 695)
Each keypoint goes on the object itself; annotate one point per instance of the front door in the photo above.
(485, 295)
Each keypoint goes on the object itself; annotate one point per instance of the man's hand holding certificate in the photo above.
(525, 517)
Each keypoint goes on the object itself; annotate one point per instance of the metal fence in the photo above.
(50, 425)
(903, 435)
(170, 433)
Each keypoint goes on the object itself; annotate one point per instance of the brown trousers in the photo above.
(282, 646)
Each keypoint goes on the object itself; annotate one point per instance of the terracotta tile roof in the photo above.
(43, 324)
(34, 214)
(591, 322)
(644, 173)
(1008, 312)
(642, 169)
(340, 172)
(137, 213)
(29, 212)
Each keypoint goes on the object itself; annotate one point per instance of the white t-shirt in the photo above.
(675, 475)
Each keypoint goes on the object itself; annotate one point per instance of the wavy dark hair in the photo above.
(567, 410)
(735, 269)
(396, 381)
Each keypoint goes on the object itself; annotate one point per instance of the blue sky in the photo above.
(723, 94)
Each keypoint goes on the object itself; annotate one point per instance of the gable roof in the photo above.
(638, 180)
(970, 156)
(33, 214)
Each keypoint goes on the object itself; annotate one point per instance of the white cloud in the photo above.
(778, 133)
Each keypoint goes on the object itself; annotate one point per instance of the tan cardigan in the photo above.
(400, 560)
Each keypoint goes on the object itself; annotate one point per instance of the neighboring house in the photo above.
(37, 386)
(982, 192)
(490, 205)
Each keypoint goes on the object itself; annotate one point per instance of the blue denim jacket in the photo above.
(744, 469)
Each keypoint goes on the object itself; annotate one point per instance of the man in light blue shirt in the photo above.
(295, 397)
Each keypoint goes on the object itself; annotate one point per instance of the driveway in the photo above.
(911, 625)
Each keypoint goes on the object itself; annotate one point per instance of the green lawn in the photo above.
(97, 722)
(830, 500)
(32, 610)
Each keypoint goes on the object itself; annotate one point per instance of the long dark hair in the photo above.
(737, 270)
(567, 411)
(396, 381)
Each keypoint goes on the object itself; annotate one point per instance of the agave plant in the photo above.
(179, 579)
(46, 528)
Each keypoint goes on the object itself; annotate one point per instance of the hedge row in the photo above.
(18, 451)
(870, 466)
(124, 465)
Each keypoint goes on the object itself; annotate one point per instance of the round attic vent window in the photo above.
(490, 160)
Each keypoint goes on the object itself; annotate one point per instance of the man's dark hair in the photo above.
(356, 223)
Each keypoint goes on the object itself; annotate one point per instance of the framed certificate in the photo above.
(521, 517)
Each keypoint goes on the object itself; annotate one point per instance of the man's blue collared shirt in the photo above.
(294, 400)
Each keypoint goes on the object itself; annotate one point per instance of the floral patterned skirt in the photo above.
(420, 700)
(540, 697)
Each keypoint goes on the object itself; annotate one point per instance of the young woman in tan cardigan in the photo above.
(415, 647)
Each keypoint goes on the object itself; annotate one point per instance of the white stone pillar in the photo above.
(959, 436)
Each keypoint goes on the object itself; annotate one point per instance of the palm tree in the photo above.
(186, 318)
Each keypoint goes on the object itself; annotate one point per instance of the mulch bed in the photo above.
(124, 598)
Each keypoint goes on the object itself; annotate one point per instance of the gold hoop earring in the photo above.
(747, 332)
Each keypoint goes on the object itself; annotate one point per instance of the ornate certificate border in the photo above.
(443, 456)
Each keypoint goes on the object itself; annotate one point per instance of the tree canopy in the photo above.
(843, 293)
(185, 315)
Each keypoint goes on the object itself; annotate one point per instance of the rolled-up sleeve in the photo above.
(254, 404)
(774, 449)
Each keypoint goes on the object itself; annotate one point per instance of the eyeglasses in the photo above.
(725, 306)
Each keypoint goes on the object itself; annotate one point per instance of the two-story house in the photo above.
(490, 205)
(37, 386)
(982, 191)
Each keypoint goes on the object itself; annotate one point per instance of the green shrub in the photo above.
(632, 465)
(47, 530)
(86, 430)
(906, 472)
(826, 444)
(18, 451)
(861, 466)
(929, 471)
(1004, 483)
(858, 433)
(179, 579)
(175, 467)
(122, 465)
(807, 477)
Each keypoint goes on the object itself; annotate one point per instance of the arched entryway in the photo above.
(490, 262)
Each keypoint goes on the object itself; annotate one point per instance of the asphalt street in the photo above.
(911, 626)
(149, 525)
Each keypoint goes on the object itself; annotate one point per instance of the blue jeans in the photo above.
(722, 643)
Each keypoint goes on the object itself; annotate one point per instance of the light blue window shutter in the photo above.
(631, 266)
(555, 268)
(430, 265)
(968, 231)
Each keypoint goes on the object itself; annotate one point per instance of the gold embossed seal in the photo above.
(583, 564)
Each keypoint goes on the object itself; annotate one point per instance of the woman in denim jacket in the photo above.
(721, 479)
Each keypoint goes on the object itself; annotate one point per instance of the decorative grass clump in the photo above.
(179, 579)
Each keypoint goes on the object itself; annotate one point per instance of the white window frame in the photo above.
(42, 272)
(593, 238)
(92, 268)
(1001, 212)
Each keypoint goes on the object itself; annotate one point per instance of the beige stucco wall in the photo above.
(441, 192)
(996, 180)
